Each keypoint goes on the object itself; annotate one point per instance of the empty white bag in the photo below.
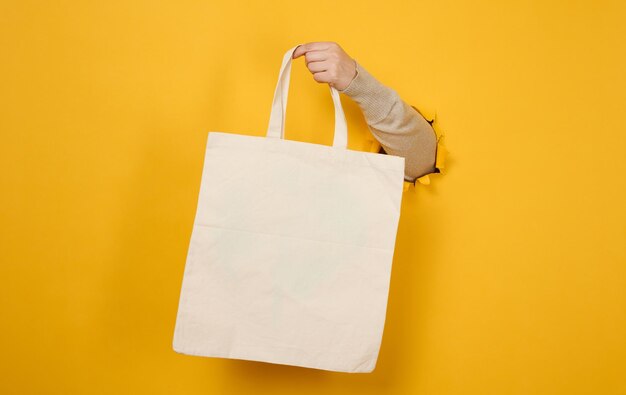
(290, 255)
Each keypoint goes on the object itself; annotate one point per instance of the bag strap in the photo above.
(276, 127)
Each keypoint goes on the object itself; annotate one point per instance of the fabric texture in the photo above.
(292, 246)
(398, 126)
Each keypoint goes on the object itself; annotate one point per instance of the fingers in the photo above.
(299, 51)
(316, 67)
(323, 76)
(312, 46)
(315, 56)
(321, 59)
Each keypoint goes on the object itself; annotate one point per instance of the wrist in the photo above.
(374, 98)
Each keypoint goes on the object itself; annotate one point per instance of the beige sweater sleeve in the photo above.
(398, 127)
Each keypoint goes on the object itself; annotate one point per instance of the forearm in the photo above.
(397, 126)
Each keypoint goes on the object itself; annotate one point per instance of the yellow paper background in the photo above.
(510, 269)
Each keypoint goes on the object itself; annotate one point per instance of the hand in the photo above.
(328, 62)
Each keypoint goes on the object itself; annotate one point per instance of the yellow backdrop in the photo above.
(509, 274)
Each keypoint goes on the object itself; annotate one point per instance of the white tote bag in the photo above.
(290, 255)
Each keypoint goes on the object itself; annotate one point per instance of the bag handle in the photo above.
(276, 127)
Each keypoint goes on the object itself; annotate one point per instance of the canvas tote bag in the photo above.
(290, 255)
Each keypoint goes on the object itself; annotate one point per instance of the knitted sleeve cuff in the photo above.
(374, 98)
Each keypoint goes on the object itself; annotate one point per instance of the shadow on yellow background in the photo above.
(509, 274)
